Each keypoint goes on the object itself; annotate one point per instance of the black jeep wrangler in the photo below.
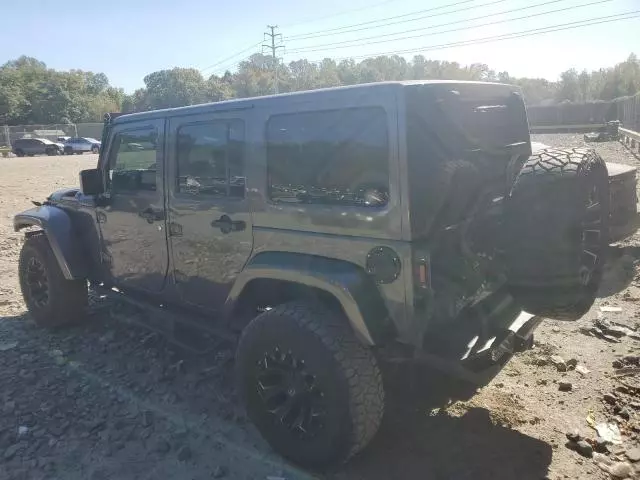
(329, 231)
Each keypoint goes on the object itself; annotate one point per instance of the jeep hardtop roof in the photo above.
(251, 102)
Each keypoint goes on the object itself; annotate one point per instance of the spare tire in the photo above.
(557, 224)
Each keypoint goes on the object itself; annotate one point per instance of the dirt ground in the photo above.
(110, 400)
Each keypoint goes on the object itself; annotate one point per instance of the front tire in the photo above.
(52, 300)
(312, 390)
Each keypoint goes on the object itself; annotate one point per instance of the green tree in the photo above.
(175, 88)
(32, 93)
(569, 86)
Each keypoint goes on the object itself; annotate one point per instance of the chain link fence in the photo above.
(50, 132)
(91, 130)
(54, 132)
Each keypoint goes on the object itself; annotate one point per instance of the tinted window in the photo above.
(329, 157)
(132, 160)
(210, 159)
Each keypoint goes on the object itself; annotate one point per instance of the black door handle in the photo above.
(151, 215)
(226, 225)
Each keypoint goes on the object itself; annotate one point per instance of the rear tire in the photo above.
(52, 300)
(557, 219)
(312, 390)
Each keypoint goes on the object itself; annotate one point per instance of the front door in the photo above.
(132, 221)
(209, 218)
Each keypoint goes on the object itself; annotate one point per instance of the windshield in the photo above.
(92, 140)
(45, 140)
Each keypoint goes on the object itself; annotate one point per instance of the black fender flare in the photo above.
(57, 225)
(355, 291)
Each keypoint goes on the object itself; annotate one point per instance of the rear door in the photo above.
(132, 222)
(210, 226)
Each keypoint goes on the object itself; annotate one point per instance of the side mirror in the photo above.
(91, 181)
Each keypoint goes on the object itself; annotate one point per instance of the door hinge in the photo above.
(175, 229)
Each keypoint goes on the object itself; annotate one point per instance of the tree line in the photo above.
(31, 93)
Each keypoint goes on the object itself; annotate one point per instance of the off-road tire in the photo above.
(67, 299)
(557, 230)
(346, 372)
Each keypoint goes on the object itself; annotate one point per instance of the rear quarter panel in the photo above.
(338, 232)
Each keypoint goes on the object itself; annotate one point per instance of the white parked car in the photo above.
(80, 145)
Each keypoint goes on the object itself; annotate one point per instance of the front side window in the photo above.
(210, 159)
(329, 157)
(132, 160)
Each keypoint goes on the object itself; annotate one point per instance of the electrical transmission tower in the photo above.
(273, 46)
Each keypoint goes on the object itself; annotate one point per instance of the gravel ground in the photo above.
(109, 400)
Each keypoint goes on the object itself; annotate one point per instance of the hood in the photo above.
(63, 194)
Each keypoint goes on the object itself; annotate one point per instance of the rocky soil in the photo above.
(110, 400)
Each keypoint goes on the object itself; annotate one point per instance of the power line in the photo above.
(237, 54)
(507, 36)
(316, 48)
(230, 67)
(332, 31)
(344, 12)
(429, 27)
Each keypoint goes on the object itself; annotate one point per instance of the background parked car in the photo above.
(36, 146)
(80, 145)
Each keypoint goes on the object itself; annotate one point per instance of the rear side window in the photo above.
(210, 159)
(132, 160)
(329, 157)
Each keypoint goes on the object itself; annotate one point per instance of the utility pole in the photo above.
(273, 47)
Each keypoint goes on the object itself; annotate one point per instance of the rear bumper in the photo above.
(475, 346)
(624, 220)
(480, 367)
(624, 227)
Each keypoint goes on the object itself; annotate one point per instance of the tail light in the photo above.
(422, 273)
